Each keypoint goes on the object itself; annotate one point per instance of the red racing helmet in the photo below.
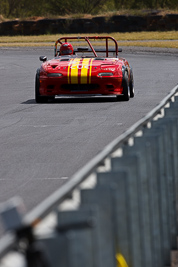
(66, 49)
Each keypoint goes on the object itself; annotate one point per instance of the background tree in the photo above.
(23, 8)
(62, 7)
(10, 8)
(35, 8)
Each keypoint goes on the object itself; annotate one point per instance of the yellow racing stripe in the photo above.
(84, 70)
(90, 70)
(79, 70)
(74, 70)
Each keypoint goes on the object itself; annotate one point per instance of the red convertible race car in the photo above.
(88, 74)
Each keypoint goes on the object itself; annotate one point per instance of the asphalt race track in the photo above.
(42, 145)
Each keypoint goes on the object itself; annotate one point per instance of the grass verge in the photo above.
(147, 39)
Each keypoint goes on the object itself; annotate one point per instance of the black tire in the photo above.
(38, 97)
(126, 90)
(131, 84)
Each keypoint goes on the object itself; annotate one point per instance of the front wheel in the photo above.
(126, 90)
(38, 97)
(131, 84)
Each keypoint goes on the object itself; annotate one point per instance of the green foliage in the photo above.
(34, 8)
(23, 8)
(138, 4)
(63, 7)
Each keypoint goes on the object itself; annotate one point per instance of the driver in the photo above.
(66, 49)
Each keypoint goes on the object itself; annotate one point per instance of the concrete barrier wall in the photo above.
(101, 24)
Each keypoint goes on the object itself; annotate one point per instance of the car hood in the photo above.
(96, 63)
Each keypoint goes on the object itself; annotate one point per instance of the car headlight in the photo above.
(54, 74)
(105, 74)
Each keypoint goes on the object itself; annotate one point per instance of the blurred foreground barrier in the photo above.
(120, 210)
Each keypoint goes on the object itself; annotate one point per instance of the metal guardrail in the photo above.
(149, 232)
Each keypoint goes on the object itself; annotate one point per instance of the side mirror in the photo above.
(43, 58)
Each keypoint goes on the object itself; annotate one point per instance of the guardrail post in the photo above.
(10, 213)
(176, 98)
(165, 127)
(172, 114)
(54, 247)
(148, 197)
(153, 145)
(130, 165)
(81, 230)
(103, 198)
(120, 210)
(158, 141)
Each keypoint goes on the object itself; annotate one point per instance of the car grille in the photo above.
(79, 87)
